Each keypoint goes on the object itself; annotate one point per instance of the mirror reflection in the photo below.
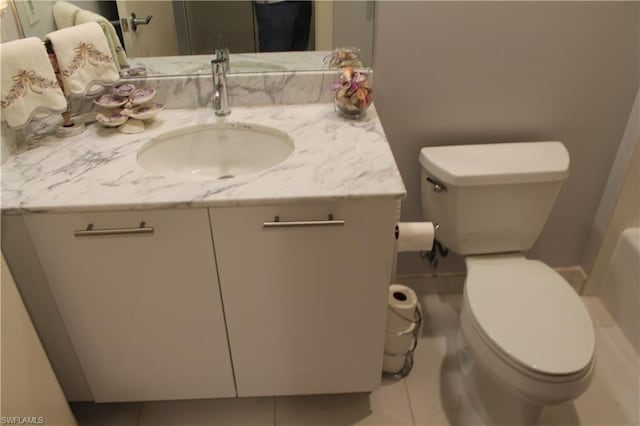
(179, 37)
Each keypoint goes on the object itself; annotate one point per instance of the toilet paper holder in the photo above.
(408, 354)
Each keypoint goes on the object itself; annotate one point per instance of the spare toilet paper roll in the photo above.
(415, 236)
(396, 347)
(400, 327)
(402, 304)
(393, 364)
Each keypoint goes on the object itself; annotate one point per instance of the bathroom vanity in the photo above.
(152, 286)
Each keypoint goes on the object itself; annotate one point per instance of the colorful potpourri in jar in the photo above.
(353, 92)
(344, 57)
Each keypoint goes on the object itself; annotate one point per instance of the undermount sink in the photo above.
(216, 150)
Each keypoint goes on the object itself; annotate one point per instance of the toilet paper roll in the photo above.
(415, 236)
(392, 364)
(402, 304)
(396, 347)
(397, 344)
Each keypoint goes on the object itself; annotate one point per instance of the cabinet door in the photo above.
(305, 303)
(143, 310)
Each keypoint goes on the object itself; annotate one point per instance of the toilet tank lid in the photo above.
(519, 162)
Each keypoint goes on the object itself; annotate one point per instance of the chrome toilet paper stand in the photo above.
(408, 355)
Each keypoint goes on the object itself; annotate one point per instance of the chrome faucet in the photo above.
(219, 68)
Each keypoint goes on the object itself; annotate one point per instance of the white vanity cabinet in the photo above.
(140, 301)
(305, 293)
(304, 289)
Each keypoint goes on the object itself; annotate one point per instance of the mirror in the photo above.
(181, 36)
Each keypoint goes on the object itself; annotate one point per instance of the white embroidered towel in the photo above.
(117, 52)
(29, 85)
(84, 59)
(64, 14)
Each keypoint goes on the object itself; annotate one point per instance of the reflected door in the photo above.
(217, 24)
(158, 38)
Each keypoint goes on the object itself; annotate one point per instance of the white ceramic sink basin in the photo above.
(216, 150)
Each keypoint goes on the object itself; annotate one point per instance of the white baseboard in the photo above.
(574, 275)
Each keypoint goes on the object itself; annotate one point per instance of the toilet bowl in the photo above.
(533, 348)
(526, 340)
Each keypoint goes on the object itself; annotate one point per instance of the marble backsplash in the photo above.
(309, 60)
(250, 89)
(259, 89)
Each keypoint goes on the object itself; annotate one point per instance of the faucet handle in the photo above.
(222, 54)
(222, 57)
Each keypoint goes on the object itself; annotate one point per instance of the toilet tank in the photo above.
(491, 198)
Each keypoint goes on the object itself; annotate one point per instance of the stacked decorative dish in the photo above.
(127, 108)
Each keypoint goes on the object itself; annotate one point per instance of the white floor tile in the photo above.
(437, 395)
(614, 338)
(204, 412)
(613, 397)
(440, 314)
(599, 314)
(114, 414)
(435, 386)
(387, 406)
(433, 394)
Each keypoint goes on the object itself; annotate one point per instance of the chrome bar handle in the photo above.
(276, 223)
(90, 232)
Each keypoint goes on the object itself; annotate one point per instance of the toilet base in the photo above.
(495, 404)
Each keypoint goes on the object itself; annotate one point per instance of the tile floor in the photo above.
(431, 395)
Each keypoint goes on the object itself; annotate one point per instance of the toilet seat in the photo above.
(530, 317)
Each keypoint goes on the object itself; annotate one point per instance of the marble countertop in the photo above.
(333, 159)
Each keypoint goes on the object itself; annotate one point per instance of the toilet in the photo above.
(526, 340)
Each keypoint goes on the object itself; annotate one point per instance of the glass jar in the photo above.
(353, 91)
(344, 57)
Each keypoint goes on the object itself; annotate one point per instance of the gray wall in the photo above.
(474, 72)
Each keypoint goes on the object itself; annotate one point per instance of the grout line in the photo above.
(139, 413)
(275, 398)
(406, 392)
